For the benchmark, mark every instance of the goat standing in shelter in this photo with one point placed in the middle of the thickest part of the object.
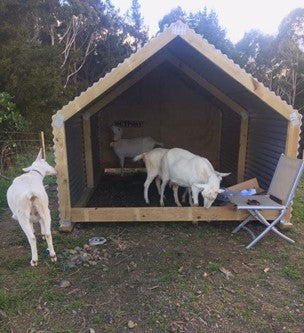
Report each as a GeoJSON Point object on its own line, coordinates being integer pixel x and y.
{"type": "Point", "coordinates": [29, 203]}
{"type": "Point", "coordinates": [183, 168]}
{"type": "Point", "coordinates": [130, 147]}
{"type": "Point", "coordinates": [153, 160]}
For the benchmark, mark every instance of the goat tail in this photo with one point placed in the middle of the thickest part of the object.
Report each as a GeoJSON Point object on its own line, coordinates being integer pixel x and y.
{"type": "Point", "coordinates": [31, 196]}
{"type": "Point", "coordinates": [139, 157]}
{"type": "Point", "coordinates": [158, 144]}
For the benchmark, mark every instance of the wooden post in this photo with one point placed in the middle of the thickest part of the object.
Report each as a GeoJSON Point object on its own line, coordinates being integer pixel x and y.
{"type": "Point", "coordinates": [292, 140]}
{"type": "Point", "coordinates": [42, 144]}
{"type": "Point", "coordinates": [86, 119]}
{"type": "Point", "coordinates": [291, 150]}
{"type": "Point", "coordinates": [60, 152]}
{"type": "Point", "coordinates": [242, 148]}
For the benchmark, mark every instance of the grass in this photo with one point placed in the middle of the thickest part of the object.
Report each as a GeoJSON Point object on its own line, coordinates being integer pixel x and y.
{"type": "Point", "coordinates": [167, 279]}
{"type": "Point", "coordinates": [214, 266]}
{"type": "Point", "coordinates": [292, 272]}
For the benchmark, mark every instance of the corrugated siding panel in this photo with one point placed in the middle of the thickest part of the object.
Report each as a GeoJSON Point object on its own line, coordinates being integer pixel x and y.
{"type": "Point", "coordinates": [230, 144]}
{"type": "Point", "coordinates": [76, 161]}
{"type": "Point", "coordinates": [267, 133]}
{"type": "Point", "coordinates": [95, 130]}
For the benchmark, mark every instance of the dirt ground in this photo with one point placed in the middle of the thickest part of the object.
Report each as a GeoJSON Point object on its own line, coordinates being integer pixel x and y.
{"type": "Point", "coordinates": [169, 277]}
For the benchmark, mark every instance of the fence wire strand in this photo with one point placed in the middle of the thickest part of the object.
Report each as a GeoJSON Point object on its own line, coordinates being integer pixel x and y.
{"type": "Point", "coordinates": [17, 145]}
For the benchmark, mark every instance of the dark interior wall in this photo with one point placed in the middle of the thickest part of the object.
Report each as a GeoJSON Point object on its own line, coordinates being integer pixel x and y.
{"type": "Point", "coordinates": [95, 135]}
{"type": "Point", "coordinates": [76, 158]}
{"type": "Point", "coordinates": [267, 132]}
{"type": "Point", "coordinates": [171, 109]}
{"type": "Point", "coordinates": [230, 143]}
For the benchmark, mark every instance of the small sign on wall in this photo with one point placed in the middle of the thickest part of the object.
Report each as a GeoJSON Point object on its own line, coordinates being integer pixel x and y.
{"type": "Point", "coordinates": [129, 123]}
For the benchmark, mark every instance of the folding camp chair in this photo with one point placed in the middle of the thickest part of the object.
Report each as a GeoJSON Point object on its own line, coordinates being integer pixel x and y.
{"type": "Point", "coordinates": [278, 197]}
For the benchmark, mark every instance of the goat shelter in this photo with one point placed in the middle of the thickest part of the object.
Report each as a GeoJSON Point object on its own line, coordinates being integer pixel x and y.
{"type": "Point", "coordinates": [182, 91]}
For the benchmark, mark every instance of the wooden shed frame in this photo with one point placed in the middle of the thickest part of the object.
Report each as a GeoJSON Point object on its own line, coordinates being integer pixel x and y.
{"type": "Point", "coordinates": [108, 85]}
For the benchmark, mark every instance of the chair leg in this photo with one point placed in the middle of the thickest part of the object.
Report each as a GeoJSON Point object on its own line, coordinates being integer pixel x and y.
{"type": "Point", "coordinates": [261, 235]}
{"type": "Point", "coordinates": [241, 225]}
{"type": "Point", "coordinates": [270, 227]}
{"type": "Point", "coordinates": [262, 219]}
{"type": "Point", "coordinates": [275, 230]}
{"type": "Point", "coordinates": [250, 232]}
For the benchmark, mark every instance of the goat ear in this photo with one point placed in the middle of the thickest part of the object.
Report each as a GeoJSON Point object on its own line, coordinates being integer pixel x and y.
{"type": "Point", "coordinates": [39, 156]}
{"type": "Point", "coordinates": [222, 174]}
{"type": "Point", "coordinates": [28, 169]}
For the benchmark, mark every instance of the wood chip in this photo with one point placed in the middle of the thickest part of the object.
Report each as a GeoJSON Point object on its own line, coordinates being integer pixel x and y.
{"type": "Point", "coordinates": [154, 287]}
{"type": "Point", "coordinates": [227, 273]}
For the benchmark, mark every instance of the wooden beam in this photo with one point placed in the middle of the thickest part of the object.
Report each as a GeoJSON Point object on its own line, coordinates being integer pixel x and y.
{"type": "Point", "coordinates": [42, 144]}
{"type": "Point", "coordinates": [292, 140]}
{"type": "Point", "coordinates": [123, 86]}
{"type": "Point", "coordinates": [60, 152]}
{"type": "Point", "coordinates": [113, 77]}
{"type": "Point", "coordinates": [235, 72]}
{"type": "Point", "coordinates": [162, 214]}
{"type": "Point", "coordinates": [291, 150]}
{"type": "Point", "coordinates": [87, 135]}
{"type": "Point", "coordinates": [227, 101]}
{"type": "Point", "coordinates": [85, 197]}
{"type": "Point", "coordinates": [242, 149]}
{"type": "Point", "coordinates": [207, 85]}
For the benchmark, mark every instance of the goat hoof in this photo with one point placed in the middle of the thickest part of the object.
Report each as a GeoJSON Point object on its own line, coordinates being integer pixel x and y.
{"type": "Point", "coordinates": [34, 263]}
{"type": "Point", "coordinates": [53, 258]}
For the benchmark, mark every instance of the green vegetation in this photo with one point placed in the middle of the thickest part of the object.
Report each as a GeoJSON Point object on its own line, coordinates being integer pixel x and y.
{"type": "Point", "coordinates": [47, 59]}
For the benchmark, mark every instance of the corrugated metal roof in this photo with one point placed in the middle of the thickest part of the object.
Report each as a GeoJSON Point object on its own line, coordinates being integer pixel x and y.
{"type": "Point", "coordinates": [193, 50]}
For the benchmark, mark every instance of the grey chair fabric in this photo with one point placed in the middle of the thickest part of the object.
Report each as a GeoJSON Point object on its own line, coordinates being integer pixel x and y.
{"type": "Point", "coordinates": [278, 197]}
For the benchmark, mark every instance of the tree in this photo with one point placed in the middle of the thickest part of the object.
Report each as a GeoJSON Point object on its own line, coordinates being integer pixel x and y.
{"type": "Point", "coordinates": [206, 24]}
{"type": "Point", "coordinates": [174, 15]}
{"type": "Point", "coordinates": [57, 49]}
{"type": "Point", "coordinates": [136, 26]}
{"type": "Point", "coordinates": [203, 22]}
{"type": "Point", "coordinates": [290, 52]}
{"type": "Point", "coordinates": [256, 54]}
{"type": "Point", "coordinates": [10, 118]}
{"type": "Point", "coordinates": [10, 121]}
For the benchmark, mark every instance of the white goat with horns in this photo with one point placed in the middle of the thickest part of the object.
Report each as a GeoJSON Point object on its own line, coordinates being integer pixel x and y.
{"type": "Point", "coordinates": [29, 203]}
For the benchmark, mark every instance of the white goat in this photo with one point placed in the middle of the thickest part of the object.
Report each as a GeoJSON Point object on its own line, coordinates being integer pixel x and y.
{"type": "Point", "coordinates": [29, 202]}
{"type": "Point", "coordinates": [130, 147]}
{"type": "Point", "coordinates": [152, 160]}
{"type": "Point", "coordinates": [188, 170]}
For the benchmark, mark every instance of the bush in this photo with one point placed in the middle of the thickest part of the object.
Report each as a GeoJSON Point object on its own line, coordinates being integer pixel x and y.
{"type": "Point", "coordinates": [10, 118]}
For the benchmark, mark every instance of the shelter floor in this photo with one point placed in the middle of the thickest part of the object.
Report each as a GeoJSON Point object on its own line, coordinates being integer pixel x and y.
{"type": "Point", "coordinates": [128, 191]}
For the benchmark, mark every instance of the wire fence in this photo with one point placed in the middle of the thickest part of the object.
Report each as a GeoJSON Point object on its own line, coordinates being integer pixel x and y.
{"type": "Point", "coordinates": [16, 146]}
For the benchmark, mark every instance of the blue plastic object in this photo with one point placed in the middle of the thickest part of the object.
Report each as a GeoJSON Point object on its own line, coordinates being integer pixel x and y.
{"type": "Point", "coordinates": [226, 194]}
{"type": "Point", "coordinates": [46, 252]}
